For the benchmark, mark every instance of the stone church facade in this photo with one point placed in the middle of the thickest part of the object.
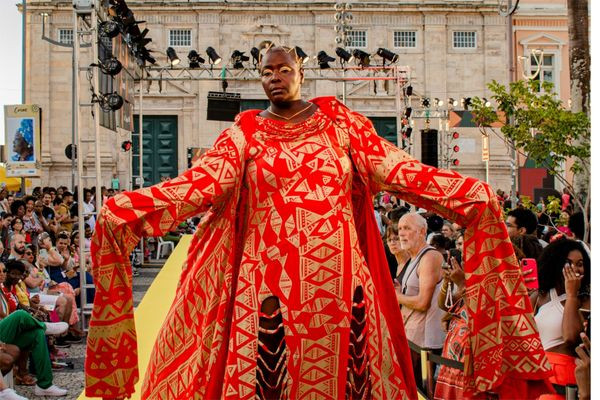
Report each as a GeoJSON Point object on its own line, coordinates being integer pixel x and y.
{"type": "Point", "coordinates": [451, 48]}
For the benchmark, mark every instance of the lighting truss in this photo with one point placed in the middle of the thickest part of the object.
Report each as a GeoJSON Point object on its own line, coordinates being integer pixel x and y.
{"type": "Point", "coordinates": [205, 73]}
{"type": "Point", "coordinates": [428, 113]}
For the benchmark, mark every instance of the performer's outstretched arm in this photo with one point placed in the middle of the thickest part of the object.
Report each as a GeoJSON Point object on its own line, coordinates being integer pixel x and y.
{"type": "Point", "coordinates": [456, 197]}
{"type": "Point", "coordinates": [504, 341]}
{"type": "Point", "coordinates": [152, 211]}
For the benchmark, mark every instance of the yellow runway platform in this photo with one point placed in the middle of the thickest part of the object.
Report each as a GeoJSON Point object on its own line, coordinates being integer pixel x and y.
{"type": "Point", "coordinates": [151, 312]}
{"type": "Point", "coordinates": [153, 309]}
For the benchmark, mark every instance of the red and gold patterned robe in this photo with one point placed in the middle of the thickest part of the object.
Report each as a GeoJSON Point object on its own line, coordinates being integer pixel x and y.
{"type": "Point", "coordinates": [286, 291]}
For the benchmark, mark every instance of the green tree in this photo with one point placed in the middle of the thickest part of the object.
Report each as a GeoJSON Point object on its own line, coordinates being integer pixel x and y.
{"type": "Point", "coordinates": [543, 130]}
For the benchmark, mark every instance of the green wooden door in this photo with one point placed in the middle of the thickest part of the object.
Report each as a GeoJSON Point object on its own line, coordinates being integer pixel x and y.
{"type": "Point", "coordinates": [160, 148]}
{"type": "Point", "coordinates": [386, 128]}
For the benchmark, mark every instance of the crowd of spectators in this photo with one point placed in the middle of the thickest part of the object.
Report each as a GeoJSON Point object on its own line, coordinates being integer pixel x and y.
{"type": "Point", "coordinates": [40, 280]}
{"type": "Point", "coordinates": [41, 275]}
{"type": "Point", "coordinates": [425, 256]}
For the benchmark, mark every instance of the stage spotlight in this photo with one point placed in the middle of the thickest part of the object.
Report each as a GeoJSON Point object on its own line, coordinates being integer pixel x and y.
{"type": "Point", "coordinates": [255, 52]}
{"type": "Point", "coordinates": [486, 102]}
{"type": "Point", "coordinates": [129, 22]}
{"type": "Point", "coordinates": [110, 101]}
{"type": "Point", "coordinates": [172, 56]}
{"type": "Point", "coordinates": [71, 151]}
{"type": "Point", "coordinates": [425, 102]}
{"type": "Point", "coordinates": [111, 66]}
{"type": "Point", "coordinates": [302, 55]}
{"type": "Point", "coordinates": [114, 101]}
{"type": "Point", "coordinates": [452, 102]}
{"type": "Point", "coordinates": [387, 55]}
{"type": "Point", "coordinates": [109, 29]}
{"type": "Point", "coordinates": [141, 39]}
{"type": "Point", "coordinates": [437, 102]}
{"type": "Point", "coordinates": [343, 54]}
{"type": "Point", "coordinates": [323, 59]}
{"type": "Point", "coordinates": [212, 55]}
{"type": "Point", "coordinates": [117, 7]}
{"type": "Point", "coordinates": [142, 55]}
{"type": "Point", "coordinates": [456, 148]}
{"type": "Point", "coordinates": [455, 162]}
{"type": "Point", "coordinates": [466, 102]}
{"type": "Point", "coordinates": [195, 59]}
{"type": "Point", "coordinates": [126, 145]}
{"type": "Point", "coordinates": [409, 90]}
{"type": "Point", "coordinates": [362, 57]}
{"type": "Point", "coordinates": [408, 112]}
{"type": "Point", "coordinates": [238, 58]}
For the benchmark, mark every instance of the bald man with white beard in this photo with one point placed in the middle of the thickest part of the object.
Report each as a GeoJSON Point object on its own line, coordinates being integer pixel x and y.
{"type": "Point", "coordinates": [419, 283]}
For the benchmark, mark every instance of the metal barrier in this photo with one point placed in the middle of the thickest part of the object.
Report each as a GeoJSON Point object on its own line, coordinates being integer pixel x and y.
{"type": "Point", "coordinates": [429, 361]}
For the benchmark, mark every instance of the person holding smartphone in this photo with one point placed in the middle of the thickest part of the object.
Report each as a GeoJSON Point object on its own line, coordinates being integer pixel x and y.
{"type": "Point", "coordinates": [527, 250]}
{"type": "Point", "coordinates": [564, 279]}
{"type": "Point", "coordinates": [450, 381]}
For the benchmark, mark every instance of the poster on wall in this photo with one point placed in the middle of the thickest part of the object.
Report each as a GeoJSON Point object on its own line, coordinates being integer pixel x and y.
{"type": "Point", "coordinates": [22, 140]}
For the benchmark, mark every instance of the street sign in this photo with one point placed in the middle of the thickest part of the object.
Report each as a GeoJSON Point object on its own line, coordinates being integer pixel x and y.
{"type": "Point", "coordinates": [485, 148]}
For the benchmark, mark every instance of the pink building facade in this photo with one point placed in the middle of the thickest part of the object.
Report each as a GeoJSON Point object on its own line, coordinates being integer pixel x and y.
{"type": "Point", "coordinates": [541, 52]}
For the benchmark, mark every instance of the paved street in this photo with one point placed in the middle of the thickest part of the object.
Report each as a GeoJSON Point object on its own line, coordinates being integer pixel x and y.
{"type": "Point", "coordinates": [72, 379]}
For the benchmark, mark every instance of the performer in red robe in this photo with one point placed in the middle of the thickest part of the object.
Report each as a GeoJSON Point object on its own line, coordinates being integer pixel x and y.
{"type": "Point", "coordinates": [286, 292]}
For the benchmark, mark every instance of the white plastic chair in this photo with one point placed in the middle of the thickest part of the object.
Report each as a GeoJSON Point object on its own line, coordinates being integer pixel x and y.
{"type": "Point", "coordinates": [164, 245]}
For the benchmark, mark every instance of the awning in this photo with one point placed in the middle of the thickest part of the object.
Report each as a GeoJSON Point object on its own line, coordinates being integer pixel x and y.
{"type": "Point", "coordinates": [12, 184]}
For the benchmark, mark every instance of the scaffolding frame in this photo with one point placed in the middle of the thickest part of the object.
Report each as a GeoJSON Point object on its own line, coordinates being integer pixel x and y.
{"type": "Point", "coordinates": [85, 25]}
{"type": "Point", "coordinates": [345, 73]}
{"type": "Point", "coordinates": [401, 75]}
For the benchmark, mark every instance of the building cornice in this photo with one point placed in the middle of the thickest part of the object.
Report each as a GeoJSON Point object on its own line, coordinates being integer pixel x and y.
{"type": "Point", "coordinates": [486, 6]}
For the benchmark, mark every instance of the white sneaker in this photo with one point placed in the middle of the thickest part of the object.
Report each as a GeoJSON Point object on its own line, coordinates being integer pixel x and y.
{"type": "Point", "coordinates": [9, 394]}
{"type": "Point", "coordinates": [56, 328]}
{"type": "Point", "coordinates": [51, 391]}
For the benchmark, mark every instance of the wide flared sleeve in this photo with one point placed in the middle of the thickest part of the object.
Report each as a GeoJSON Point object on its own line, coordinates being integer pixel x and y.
{"type": "Point", "coordinates": [503, 335]}
{"type": "Point", "coordinates": [504, 338]}
{"type": "Point", "coordinates": [111, 357]}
